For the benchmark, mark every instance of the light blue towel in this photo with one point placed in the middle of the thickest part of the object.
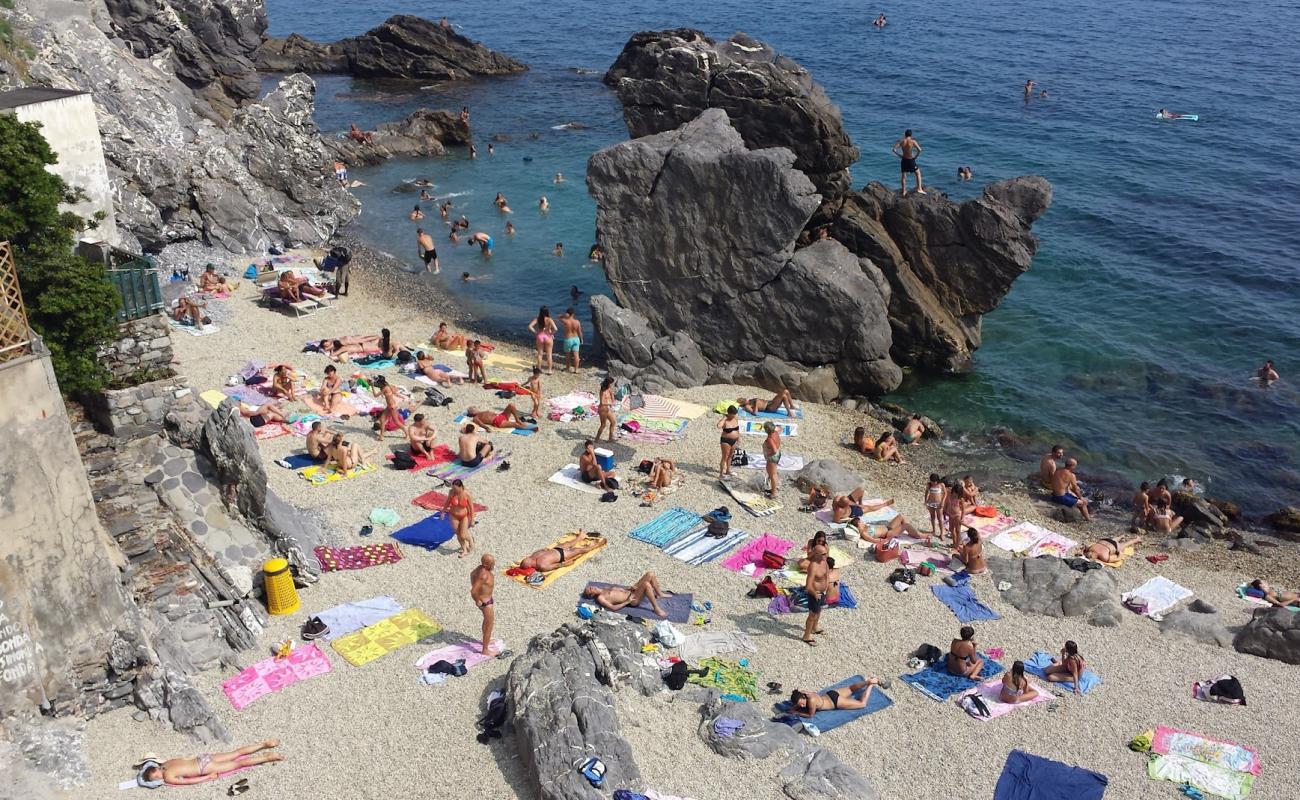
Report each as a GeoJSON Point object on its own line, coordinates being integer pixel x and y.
{"type": "Point", "coordinates": [1042, 660]}
{"type": "Point", "coordinates": [349, 617]}
{"type": "Point", "coordinates": [962, 601]}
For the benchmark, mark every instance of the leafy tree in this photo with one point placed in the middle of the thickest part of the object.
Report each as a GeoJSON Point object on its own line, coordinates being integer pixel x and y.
{"type": "Point", "coordinates": [69, 300]}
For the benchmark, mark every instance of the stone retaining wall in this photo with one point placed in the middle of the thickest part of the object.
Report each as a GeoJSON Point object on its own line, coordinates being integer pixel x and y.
{"type": "Point", "coordinates": [143, 346]}
{"type": "Point", "coordinates": [137, 411]}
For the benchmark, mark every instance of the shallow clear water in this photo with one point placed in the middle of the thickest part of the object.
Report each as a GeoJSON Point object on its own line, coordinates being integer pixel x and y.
{"type": "Point", "coordinates": [1167, 270]}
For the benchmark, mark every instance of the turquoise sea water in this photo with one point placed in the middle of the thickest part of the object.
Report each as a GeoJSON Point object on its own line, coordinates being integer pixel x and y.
{"type": "Point", "coordinates": [1168, 266]}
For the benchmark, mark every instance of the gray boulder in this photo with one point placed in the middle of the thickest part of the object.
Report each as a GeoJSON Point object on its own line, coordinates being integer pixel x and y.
{"type": "Point", "coordinates": [1271, 633]}
{"type": "Point", "coordinates": [668, 78]}
{"type": "Point", "coordinates": [820, 774]}
{"type": "Point", "coordinates": [403, 47]}
{"type": "Point", "coordinates": [1197, 512]}
{"type": "Point", "coordinates": [422, 133]}
{"type": "Point", "coordinates": [827, 472]}
{"type": "Point", "coordinates": [1046, 585]}
{"type": "Point", "coordinates": [1199, 620]}
{"type": "Point", "coordinates": [699, 238]}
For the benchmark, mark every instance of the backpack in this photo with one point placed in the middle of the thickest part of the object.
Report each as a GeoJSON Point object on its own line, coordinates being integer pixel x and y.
{"type": "Point", "coordinates": [493, 720]}
{"type": "Point", "coordinates": [1228, 690]}
{"type": "Point", "coordinates": [454, 668]}
{"type": "Point", "coordinates": [402, 460]}
{"type": "Point", "coordinates": [677, 674]}
{"type": "Point", "coordinates": [433, 397]}
{"type": "Point", "coordinates": [974, 705]}
{"type": "Point", "coordinates": [766, 588]}
{"type": "Point", "coordinates": [739, 458]}
{"type": "Point", "coordinates": [928, 653]}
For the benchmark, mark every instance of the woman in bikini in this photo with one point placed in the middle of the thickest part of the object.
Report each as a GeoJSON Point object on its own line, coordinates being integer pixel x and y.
{"type": "Point", "coordinates": [935, 495]}
{"type": "Point", "coordinates": [862, 442]}
{"type": "Point", "coordinates": [1110, 551]}
{"type": "Point", "coordinates": [662, 473]}
{"type": "Point", "coordinates": [1068, 668]}
{"type": "Point", "coordinates": [424, 364]}
{"type": "Point", "coordinates": [730, 427]}
{"type": "Point", "coordinates": [971, 553]}
{"type": "Point", "coordinates": [887, 448]}
{"type": "Point", "coordinates": [806, 703]}
{"type": "Point", "coordinates": [605, 409]}
{"type": "Point", "coordinates": [387, 347]}
{"type": "Point", "coordinates": [771, 455]}
{"type": "Point", "coordinates": [346, 456]}
{"type": "Point", "coordinates": [756, 406]}
{"type": "Point", "coordinates": [543, 329]}
{"type": "Point", "coordinates": [1277, 597]}
{"type": "Point", "coordinates": [1163, 519]}
{"type": "Point", "coordinates": [282, 383]}
{"type": "Point", "coordinates": [1015, 686]}
{"type": "Point", "coordinates": [845, 506]}
{"type": "Point", "coordinates": [331, 387]}
{"type": "Point", "coordinates": [443, 338]}
{"type": "Point", "coordinates": [963, 655]}
{"type": "Point", "coordinates": [205, 767]}
{"type": "Point", "coordinates": [955, 511]}
{"type": "Point", "coordinates": [382, 388]}
{"type": "Point", "coordinates": [460, 508]}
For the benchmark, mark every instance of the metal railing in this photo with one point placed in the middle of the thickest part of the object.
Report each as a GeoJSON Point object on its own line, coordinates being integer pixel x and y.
{"type": "Point", "coordinates": [15, 334]}
{"type": "Point", "coordinates": [137, 284]}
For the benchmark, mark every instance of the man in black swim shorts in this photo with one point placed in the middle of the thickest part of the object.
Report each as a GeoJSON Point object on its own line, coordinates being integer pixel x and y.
{"type": "Point", "coordinates": [908, 150]}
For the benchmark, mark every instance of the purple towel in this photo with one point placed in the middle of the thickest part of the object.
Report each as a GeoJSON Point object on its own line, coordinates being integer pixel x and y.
{"type": "Point", "coordinates": [678, 606]}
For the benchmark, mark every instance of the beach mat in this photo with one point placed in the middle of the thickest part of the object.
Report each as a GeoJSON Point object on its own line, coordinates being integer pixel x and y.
{"type": "Point", "coordinates": [961, 600]}
{"type": "Point", "coordinates": [569, 475]}
{"type": "Point", "coordinates": [936, 683]}
{"type": "Point", "coordinates": [320, 475]}
{"type": "Point", "coordinates": [408, 627]}
{"type": "Point", "coordinates": [728, 677]}
{"type": "Point", "coordinates": [754, 427]}
{"type": "Point", "coordinates": [341, 406]}
{"type": "Point", "coordinates": [469, 652]}
{"type": "Point", "coordinates": [677, 606]}
{"type": "Point", "coordinates": [667, 527]}
{"type": "Point", "coordinates": [757, 504]}
{"type": "Point", "coordinates": [453, 470]}
{"type": "Point", "coordinates": [697, 547]}
{"type": "Point", "coordinates": [795, 601]}
{"type": "Point", "coordinates": [345, 618]}
{"type": "Point", "coordinates": [442, 454]}
{"type": "Point", "coordinates": [213, 397]}
{"type": "Point", "coordinates": [1041, 660]}
{"type": "Point", "coordinates": [1215, 767]}
{"type": "Point", "coordinates": [1032, 540]}
{"type": "Point", "coordinates": [273, 674]}
{"type": "Point", "coordinates": [549, 577]}
{"type": "Point", "coordinates": [752, 554]}
{"type": "Point", "coordinates": [990, 691]}
{"type": "Point", "coordinates": [1030, 777]}
{"type": "Point", "coordinates": [297, 461]}
{"type": "Point", "coordinates": [825, 721]}
{"type": "Point", "coordinates": [435, 500]}
{"type": "Point", "coordinates": [710, 643]}
{"type": "Point", "coordinates": [1160, 594]}
{"type": "Point", "coordinates": [429, 533]}
{"type": "Point", "coordinates": [356, 557]}
{"type": "Point", "coordinates": [271, 430]}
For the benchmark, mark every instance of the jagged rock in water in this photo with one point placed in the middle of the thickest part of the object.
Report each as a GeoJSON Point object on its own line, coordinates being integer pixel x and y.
{"type": "Point", "coordinates": [421, 133]}
{"type": "Point", "coordinates": [1271, 633]}
{"type": "Point", "coordinates": [699, 235]}
{"type": "Point", "coordinates": [404, 46]}
{"type": "Point", "coordinates": [668, 78]}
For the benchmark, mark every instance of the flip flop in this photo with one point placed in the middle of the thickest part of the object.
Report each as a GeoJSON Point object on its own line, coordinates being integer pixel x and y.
{"type": "Point", "coordinates": [809, 642]}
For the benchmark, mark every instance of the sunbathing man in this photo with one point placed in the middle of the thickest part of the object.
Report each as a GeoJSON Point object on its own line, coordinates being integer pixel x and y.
{"type": "Point", "coordinates": [318, 439]}
{"type": "Point", "coordinates": [862, 442]}
{"type": "Point", "coordinates": [590, 471]}
{"type": "Point", "coordinates": [963, 656]}
{"type": "Point", "coordinates": [806, 702]}
{"type": "Point", "coordinates": [1066, 491]}
{"type": "Point", "coordinates": [472, 449]}
{"type": "Point", "coordinates": [507, 418]}
{"type": "Point", "coordinates": [1069, 667]}
{"type": "Point", "coordinates": [282, 383]}
{"type": "Point", "coordinates": [210, 281]}
{"type": "Point", "coordinates": [345, 455]}
{"type": "Point", "coordinates": [756, 406]}
{"type": "Point", "coordinates": [549, 559]}
{"type": "Point", "coordinates": [330, 389]}
{"type": "Point", "coordinates": [1276, 597]}
{"type": "Point", "coordinates": [421, 434]}
{"type": "Point", "coordinates": [849, 505]}
{"type": "Point", "coordinates": [1109, 551]}
{"type": "Point", "coordinates": [1015, 686]}
{"type": "Point", "coordinates": [424, 365]}
{"type": "Point", "coordinates": [482, 580]}
{"type": "Point", "coordinates": [263, 414]}
{"type": "Point", "coordinates": [193, 309]}
{"type": "Point", "coordinates": [207, 766]}
{"type": "Point", "coordinates": [616, 598]}
{"type": "Point", "coordinates": [819, 585]}
{"type": "Point", "coordinates": [1047, 467]}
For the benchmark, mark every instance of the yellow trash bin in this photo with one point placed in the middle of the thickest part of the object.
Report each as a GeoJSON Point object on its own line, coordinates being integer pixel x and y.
{"type": "Point", "coordinates": [281, 596]}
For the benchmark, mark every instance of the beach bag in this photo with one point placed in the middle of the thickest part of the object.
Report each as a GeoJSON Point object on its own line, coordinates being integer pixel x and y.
{"type": "Point", "coordinates": [1227, 690]}
{"type": "Point", "coordinates": [889, 553]}
{"type": "Point", "coordinates": [402, 460]}
{"type": "Point", "coordinates": [718, 528]}
{"type": "Point", "coordinates": [433, 397]}
{"type": "Point", "coordinates": [493, 719]}
{"type": "Point", "coordinates": [251, 272]}
{"type": "Point", "coordinates": [766, 588]}
{"type": "Point", "coordinates": [974, 705]}
{"type": "Point", "coordinates": [739, 458]}
{"type": "Point", "coordinates": [454, 668]}
{"type": "Point", "coordinates": [928, 653]}
{"type": "Point", "coordinates": [925, 570]}
{"type": "Point", "coordinates": [901, 575]}
{"type": "Point", "coordinates": [985, 511]}
{"type": "Point", "coordinates": [667, 635]}
{"type": "Point", "coordinates": [1136, 604]}
{"type": "Point", "coordinates": [677, 674]}
{"type": "Point", "coordinates": [772, 560]}
{"type": "Point", "coordinates": [631, 426]}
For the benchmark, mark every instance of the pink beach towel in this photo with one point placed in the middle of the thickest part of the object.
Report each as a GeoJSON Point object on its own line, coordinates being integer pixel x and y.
{"type": "Point", "coordinates": [1220, 753]}
{"type": "Point", "coordinates": [990, 690]}
{"type": "Point", "coordinates": [469, 651]}
{"type": "Point", "coordinates": [272, 675]}
{"type": "Point", "coordinates": [752, 553]}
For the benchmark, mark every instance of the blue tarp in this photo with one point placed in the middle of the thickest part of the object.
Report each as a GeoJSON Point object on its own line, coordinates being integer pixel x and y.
{"type": "Point", "coordinates": [1029, 777]}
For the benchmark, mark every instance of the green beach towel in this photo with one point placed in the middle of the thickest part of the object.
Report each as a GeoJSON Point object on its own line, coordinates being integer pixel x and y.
{"type": "Point", "coordinates": [728, 677]}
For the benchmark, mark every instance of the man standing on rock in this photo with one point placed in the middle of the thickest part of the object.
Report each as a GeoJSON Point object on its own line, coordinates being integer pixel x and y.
{"type": "Point", "coordinates": [1066, 491]}
{"type": "Point", "coordinates": [908, 149]}
{"type": "Point", "coordinates": [481, 583]}
{"type": "Point", "coordinates": [572, 340]}
{"type": "Point", "coordinates": [428, 252]}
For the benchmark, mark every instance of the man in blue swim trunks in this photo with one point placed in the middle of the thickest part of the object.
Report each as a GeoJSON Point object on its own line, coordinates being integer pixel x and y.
{"type": "Point", "coordinates": [483, 241]}
{"type": "Point", "coordinates": [572, 340]}
{"type": "Point", "coordinates": [1065, 489]}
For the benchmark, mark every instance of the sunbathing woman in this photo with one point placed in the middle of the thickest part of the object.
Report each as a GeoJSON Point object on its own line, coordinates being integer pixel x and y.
{"type": "Point", "coordinates": [424, 365]}
{"type": "Point", "coordinates": [849, 505]}
{"type": "Point", "coordinates": [730, 427]}
{"type": "Point", "coordinates": [1276, 597]}
{"type": "Point", "coordinates": [818, 496]}
{"type": "Point", "coordinates": [887, 448]}
{"type": "Point", "coordinates": [282, 383]}
{"type": "Point", "coordinates": [507, 418]}
{"type": "Point", "coordinates": [963, 656]}
{"type": "Point", "coordinates": [755, 405]}
{"type": "Point", "coordinates": [806, 703]}
{"type": "Point", "coordinates": [590, 470]}
{"type": "Point", "coordinates": [263, 414]}
{"type": "Point", "coordinates": [331, 387]}
{"type": "Point", "coordinates": [344, 350]}
{"type": "Point", "coordinates": [616, 598]}
{"type": "Point", "coordinates": [346, 456]}
{"type": "Point", "coordinates": [898, 526]}
{"type": "Point", "coordinates": [460, 508]}
{"type": "Point", "coordinates": [549, 559]}
{"type": "Point", "coordinates": [1109, 551]}
{"type": "Point", "coordinates": [1068, 668]}
{"type": "Point", "coordinates": [1015, 686]}
{"type": "Point", "coordinates": [387, 347]}
{"type": "Point", "coordinates": [862, 442]}
{"type": "Point", "coordinates": [382, 388]}
{"type": "Point", "coordinates": [543, 330]}
{"type": "Point", "coordinates": [205, 767]}
{"type": "Point", "coordinates": [971, 553]}
{"type": "Point", "coordinates": [662, 473]}
{"type": "Point", "coordinates": [444, 338]}
{"type": "Point", "coordinates": [189, 308]}
{"type": "Point", "coordinates": [1163, 519]}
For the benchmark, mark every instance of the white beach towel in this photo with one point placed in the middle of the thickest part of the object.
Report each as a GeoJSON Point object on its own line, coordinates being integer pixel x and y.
{"type": "Point", "coordinates": [712, 643]}
{"type": "Point", "coordinates": [571, 477]}
{"type": "Point", "coordinates": [1160, 594]}
{"type": "Point", "coordinates": [790, 462]}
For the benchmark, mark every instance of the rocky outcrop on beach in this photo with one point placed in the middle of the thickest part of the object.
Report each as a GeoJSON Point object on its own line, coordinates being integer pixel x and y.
{"type": "Point", "coordinates": [1271, 633]}
{"type": "Point", "coordinates": [1046, 585]}
{"type": "Point", "coordinates": [422, 133]}
{"type": "Point", "coordinates": [699, 237]}
{"type": "Point", "coordinates": [1199, 620]}
{"type": "Point", "coordinates": [403, 47]}
{"type": "Point", "coordinates": [665, 79]}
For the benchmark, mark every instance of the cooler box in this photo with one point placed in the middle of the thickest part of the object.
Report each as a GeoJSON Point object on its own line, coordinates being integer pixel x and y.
{"type": "Point", "coordinates": [605, 458]}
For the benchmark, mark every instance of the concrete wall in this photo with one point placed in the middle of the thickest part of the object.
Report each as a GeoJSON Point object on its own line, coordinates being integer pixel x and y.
{"type": "Point", "coordinates": [70, 126]}
{"type": "Point", "coordinates": [58, 569]}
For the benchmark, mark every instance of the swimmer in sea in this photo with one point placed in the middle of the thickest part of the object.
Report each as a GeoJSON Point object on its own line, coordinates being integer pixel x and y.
{"type": "Point", "coordinates": [510, 228]}
{"type": "Point", "coordinates": [908, 150]}
{"type": "Point", "coordinates": [424, 195]}
{"type": "Point", "coordinates": [880, 21]}
{"type": "Point", "coordinates": [466, 277]}
{"type": "Point", "coordinates": [558, 252]}
{"type": "Point", "coordinates": [1029, 88]}
{"type": "Point", "coordinates": [491, 150]}
{"type": "Point", "coordinates": [483, 241]}
{"type": "Point", "coordinates": [544, 205]}
{"type": "Point", "coordinates": [1267, 374]}
{"type": "Point", "coordinates": [574, 292]}
{"type": "Point", "coordinates": [444, 210]}
{"type": "Point", "coordinates": [416, 214]}
{"type": "Point", "coordinates": [559, 177]}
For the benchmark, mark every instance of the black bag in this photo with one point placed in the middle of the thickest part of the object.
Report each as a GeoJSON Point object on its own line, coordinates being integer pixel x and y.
{"type": "Point", "coordinates": [493, 720]}
{"type": "Point", "coordinates": [645, 466]}
{"type": "Point", "coordinates": [739, 458]}
{"type": "Point", "coordinates": [676, 677]}
{"type": "Point", "coordinates": [901, 574]}
{"type": "Point", "coordinates": [433, 397]}
{"type": "Point", "coordinates": [975, 706]}
{"type": "Point", "coordinates": [403, 460]}
{"type": "Point", "coordinates": [404, 357]}
{"type": "Point", "coordinates": [928, 653]}
{"type": "Point", "coordinates": [453, 668]}
{"type": "Point", "coordinates": [718, 529]}
{"type": "Point", "coordinates": [608, 497]}
{"type": "Point", "coordinates": [1228, 690]}
{"type": "Point", "coordinates": [611, 483]}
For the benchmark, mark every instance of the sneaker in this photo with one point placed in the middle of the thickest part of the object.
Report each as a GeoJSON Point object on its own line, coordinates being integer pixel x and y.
{"type": "Point", "coordinates": [314, 628]}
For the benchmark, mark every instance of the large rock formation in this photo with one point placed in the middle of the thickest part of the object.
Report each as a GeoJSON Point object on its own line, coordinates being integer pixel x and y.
{"type": "Point", "coordinates": [404, 47]}
{"type": "Point", "coordinates": [668, 78]}
{"type": "Point", "coordinates": [699, 237]}
{"type": "Point", "coordinates": [422, 133]}
{"type": "Point", "coordinates": [1046, 585]}
{"type": "Point", "coordinates": [1271, 633]}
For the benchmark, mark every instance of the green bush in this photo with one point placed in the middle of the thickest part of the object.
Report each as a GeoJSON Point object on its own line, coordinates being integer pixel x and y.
{"type": "Point", "coordinates": [70, 302]}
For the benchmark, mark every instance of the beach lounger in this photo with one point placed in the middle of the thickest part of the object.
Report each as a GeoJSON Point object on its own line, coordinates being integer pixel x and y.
{"type": "Point", "coordinates": [550, 577]}
{"type": "Point", "coordinates": [676, 606]}
{"type": "Point", "coordinates": [755, 503]}
{"type": "Point", "coordinates": [372, 642]}
{"type": "Point", "coordinates": [1030, 777]}
{"type": "Point", "coordinates": [828, 720]}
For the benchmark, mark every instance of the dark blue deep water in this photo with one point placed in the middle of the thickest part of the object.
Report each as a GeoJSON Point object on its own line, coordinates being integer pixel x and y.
{"type": "Point", "coordinates": [1168, 263]}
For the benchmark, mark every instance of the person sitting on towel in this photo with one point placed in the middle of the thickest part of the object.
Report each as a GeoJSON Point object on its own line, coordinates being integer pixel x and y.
{"type": "Point", "coordinates": [207, 766]}
{"type": "Point", "coordinates": [472, 448]}
{"type": "Point", "coordinates": [1069, 667]}
{"type": "Point", "coordinates": [851, 505]}
{"type": "Point", "coordinates": [887, 448]}
{"type": "Point", "coordinates": [591, 472]}
{"type": "Point", "coordinates": [662, 473]}
{"type": "Point", "coordinates": [1015, 686]}
{"type": "Point", "coordinates": [345, 455]}
{"type": "Point", "coordinates": [755, 405]}
{"type": "Point", "coordinates": [507, 418]}
{"type": "Point", "coordinates": [971, 553]}
{"type": "Point", "coordinates": [282, 383]}
{"type": "Point", "coordinates": [549, 559]}
{"type": "Point", "coordinates": [1276, 597]}
{"type": "Point", "coordinates": [318, 439]}
{"type": "Point", "coordinates": [818, 540]}
{"type": "Point", "coordinates": [616, 598]}
{"type": "Point", "coordinates": [1110, 551]}
{"type": "Point", "coordinates": [420, 433]}
{"type": "Point", "coordinates": [818, 496]}
{"type": "Point", "coordinates": [806, 702]}
{"type": "Point", "coordinates": [963, 656]}
{"type": "Point", "coordinates": [210, 281]}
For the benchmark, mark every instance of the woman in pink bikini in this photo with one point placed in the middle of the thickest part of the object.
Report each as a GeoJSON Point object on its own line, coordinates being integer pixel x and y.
{"type": "Point", "coordinates": [205, 767]}
{"type": "Point", "coordinates": [544, 329]}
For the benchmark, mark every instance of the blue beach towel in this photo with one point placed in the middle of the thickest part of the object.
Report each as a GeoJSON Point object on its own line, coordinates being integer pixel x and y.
{"type": "Point", "coordinates": [937, 683]}
{"type": "Point", "coordinates": [1029, 777]}
{"type": "Point", "coordinates": [428, 533]}
{"type": "Point", "coordinates": [825, 721]}
{"type": "Point", "coordinates": [796, 602]}
{"type": "Point", "coordinates": [375, 362]}
{"type": "Point", "coordinates": [678, 606]}
{"type": "Point", "coordinates": [696, 547]}
{"type": "Point", "coordinates": [779, 414]}
{"type": "Point", "coordinates": [297, 461]}
{"type": "Point", "coordinates": [962, 601]}
{"type": "Point", "coordinates": [1042, 660]}
{"type": "Point", "coordinates": [667, 527]}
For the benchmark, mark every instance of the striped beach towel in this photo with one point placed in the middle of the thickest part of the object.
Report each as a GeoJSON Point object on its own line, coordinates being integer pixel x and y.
{"type": "Point", "coordinates": [452, 470]}
{"type": "Point", "coordinates": [697, 547]}
{"type": "Point", "coordinates": [667, 527]}
{"type": "Point", "coordinates": [757, 504]}
{"type": "Point", "coordinates": [653, 430]}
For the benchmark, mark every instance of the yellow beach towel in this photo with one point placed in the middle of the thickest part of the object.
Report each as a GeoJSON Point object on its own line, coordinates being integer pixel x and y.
{"type": "Point", "coordinates": [797, 578]}
{"type": "Point", "coordinates": [321, 475]}
{"type": "Point", "coordinates": [551, 576]}
{"type": "Point", "coordinates": [212, 397]}
{"type": "Point", "coordinates": [385, 636]}
{"type": "Point", "coordinates": [1128, 551]}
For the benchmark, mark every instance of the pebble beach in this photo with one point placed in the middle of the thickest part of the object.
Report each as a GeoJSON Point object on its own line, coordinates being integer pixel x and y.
{"type": "Point", "coordinates": [378, 731]}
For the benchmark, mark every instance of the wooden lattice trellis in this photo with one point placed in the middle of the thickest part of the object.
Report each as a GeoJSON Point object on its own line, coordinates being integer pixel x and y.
{"type": "Point", "coordinates": [15, 336]}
